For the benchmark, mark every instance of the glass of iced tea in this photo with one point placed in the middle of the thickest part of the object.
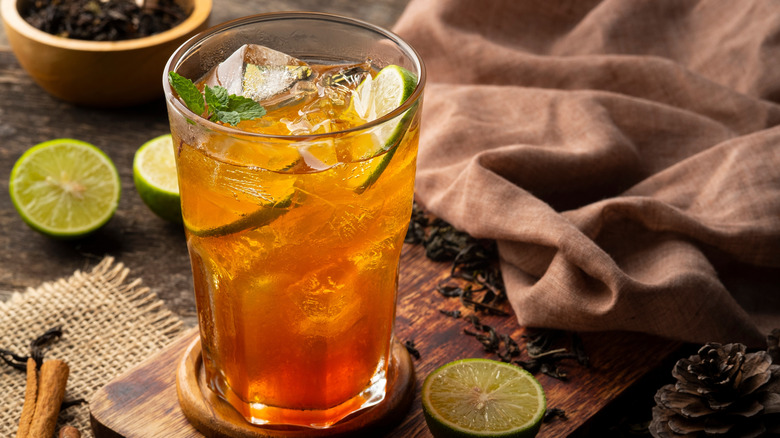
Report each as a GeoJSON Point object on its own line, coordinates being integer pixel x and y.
{"type": "Point", "coordinates": [295, 218]}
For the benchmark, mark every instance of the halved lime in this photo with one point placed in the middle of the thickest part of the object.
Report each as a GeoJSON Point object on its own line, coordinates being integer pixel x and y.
{"type": "Point", "coordinates": [482, 398]}
{"type": "Point", "coordinates": [65, 188]}
{"type": "Point", "coordinates": [154, 174]}
{"type": "Point", "coordinates": [376, 97]}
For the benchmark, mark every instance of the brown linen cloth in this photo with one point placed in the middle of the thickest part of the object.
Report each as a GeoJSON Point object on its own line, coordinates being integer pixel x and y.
{"type": "Point", "coordinates": [622, 153]}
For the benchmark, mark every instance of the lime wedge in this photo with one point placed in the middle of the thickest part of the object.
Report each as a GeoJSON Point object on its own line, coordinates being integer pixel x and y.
{"type": "Point", "coordinates": [376, 97]}
{"type": "Point", "coordinates": [65, 188]}
{"type": "Point", "coordinates": [482, 398]}
{"type": "Point", "coordinates": [221, 198]}
{"type": "Point", "coordinates": [264, 215]}
{"type": "Point", "coordinates": [154, 174]}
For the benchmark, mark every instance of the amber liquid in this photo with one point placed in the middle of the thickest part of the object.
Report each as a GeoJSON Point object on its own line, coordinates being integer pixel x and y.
{"type": "Point", "coordinates": [295, 251]}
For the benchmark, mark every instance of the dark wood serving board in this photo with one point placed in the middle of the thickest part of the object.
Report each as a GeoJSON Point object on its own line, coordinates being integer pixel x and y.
{"type": "Point", "coordinates": [143, 402]}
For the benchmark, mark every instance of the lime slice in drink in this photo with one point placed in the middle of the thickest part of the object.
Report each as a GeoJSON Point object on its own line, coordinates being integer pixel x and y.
{"type": "Point", "coordinates": [65, 188]}
{"type": "Point", "coordinates": [377, 96]}
{"type": "Point", "coordinates": [223, 197]}
{"type": "Point", "coordinates": [263, 215]}
{"type": "Point", "coordinates": [154, 174]}
{"type": "Point", "coordinates": [482, 398]}
{"type": "Point", "coordinates": [374, 98]}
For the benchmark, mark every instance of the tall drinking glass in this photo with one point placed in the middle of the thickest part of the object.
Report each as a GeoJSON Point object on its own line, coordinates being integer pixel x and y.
{"type": "Point", "coordinates": [295, 221]}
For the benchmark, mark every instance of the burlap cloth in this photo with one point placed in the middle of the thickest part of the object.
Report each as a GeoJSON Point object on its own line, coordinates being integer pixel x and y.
{"type": "Point", "coordinates": [110, 324]}
{"type": "Point", "coordinates": [621, 152]}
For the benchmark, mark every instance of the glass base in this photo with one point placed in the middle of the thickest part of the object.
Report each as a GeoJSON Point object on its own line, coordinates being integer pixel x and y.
{"type": "Point", "coordinates": [262, 414]}
{"type": "Point", "coordinates": [211, 415]}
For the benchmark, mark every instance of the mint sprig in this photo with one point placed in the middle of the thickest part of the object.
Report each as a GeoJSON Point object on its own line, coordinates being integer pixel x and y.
{"type": "Point", "coordinates": [218, 105]}
{"type": "Point", "coordinates": [188, 92]}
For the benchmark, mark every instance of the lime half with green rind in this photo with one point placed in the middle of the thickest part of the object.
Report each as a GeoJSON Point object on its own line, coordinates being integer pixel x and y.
{"type": "Point", "coordinates": [482, 398]}
{"type": "Point", "coordinates": [65, 188]}
{"type": "Point", "coordinates": [154, 175]}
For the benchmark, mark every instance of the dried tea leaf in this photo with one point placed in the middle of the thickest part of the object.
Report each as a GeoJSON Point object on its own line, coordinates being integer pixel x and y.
{"type": "Point", "coordinates": [412, 349]}
{"type": "Point", "coordinates": [475, 279]}
{"type": "Point", "coordinates": [96, 20]}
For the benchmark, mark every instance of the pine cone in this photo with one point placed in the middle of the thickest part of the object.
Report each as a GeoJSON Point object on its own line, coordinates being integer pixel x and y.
{"type": "Point", "coordinates": [773, 345]}
{"type": "Point", "coordinates": [720, 392]}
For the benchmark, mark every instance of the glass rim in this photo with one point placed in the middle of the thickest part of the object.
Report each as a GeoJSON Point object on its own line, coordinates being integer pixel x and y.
{"type": "Point", "coordinates": [180, 53]}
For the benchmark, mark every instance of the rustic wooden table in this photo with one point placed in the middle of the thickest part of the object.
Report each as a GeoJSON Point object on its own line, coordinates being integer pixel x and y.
{"type": "Point", "coordinates": [155, 250]}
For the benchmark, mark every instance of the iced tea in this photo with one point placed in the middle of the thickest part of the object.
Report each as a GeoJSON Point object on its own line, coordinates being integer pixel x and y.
{"type": "Point", "coordinates": [294, 226]}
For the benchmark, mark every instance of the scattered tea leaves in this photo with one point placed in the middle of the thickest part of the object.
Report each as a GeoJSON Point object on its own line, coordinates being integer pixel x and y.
{"type": "Point", "coordinates": [98, 20]}
{"type": "Point", "coordinates": [579, 350]}
{"type": "Point", "coordinates": [38, 345]}
{"type": "Point", "coordinates": [545, 352]}
{"type": "Point", "coordinates": [415, 234]}
{"type": "Point", "coordinates": [70, 403]}
{"type": "Point", "coordinates": [14, 360]}
{"type": "Point", "coordinates": [412, 349]}
{"type": "Point", "coordinates": [451, 313]}
{"type": "Point", "coordinates": [553, 413]}
{"type": "Point", "coordinates": [37, 348]}
{"type": "Point", "coordinates": [475, 279]}
{"type": "Point", "coordinates": [501, 344]}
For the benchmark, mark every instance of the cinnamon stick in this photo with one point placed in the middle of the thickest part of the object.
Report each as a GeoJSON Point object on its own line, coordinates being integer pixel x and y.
{"type": "Point", "coordinates": [30, 395]}
{"type": "Point", "coordinates": [51, 392]}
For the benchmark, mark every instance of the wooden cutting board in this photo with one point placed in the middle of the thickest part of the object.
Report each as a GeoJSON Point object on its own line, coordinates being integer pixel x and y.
{"type": "Point", "coordinates": [143, 402]}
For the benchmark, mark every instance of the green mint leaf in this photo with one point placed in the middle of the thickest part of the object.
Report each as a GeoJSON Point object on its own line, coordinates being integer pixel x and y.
{"type": "Point", "coordinates": [247, 108]}
{"type": "Point", "coordinates": [188, 92]}
{"type": "Point", "coordinates": [222, 107]}
{"type": "Point", "coordinates": [216, 98]}
{"type": "Point", "coordinates": [230, 117]}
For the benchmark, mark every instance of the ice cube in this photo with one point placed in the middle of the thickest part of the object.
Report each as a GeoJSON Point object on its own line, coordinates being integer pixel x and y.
{"type": "Point", "coordinates": [328, 300]}
{"type": "Point", "coordinates": [339, 83]}
{"type": "Point", "coordinates": [265, 75]}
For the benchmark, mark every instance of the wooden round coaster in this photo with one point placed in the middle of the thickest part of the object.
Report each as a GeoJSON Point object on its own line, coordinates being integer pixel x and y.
{"type": "Point", "coordinates": [213, 417]}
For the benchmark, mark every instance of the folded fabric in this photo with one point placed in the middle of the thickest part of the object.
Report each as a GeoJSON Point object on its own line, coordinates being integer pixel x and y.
{"type": "Point", "coordinates": [623, 154]}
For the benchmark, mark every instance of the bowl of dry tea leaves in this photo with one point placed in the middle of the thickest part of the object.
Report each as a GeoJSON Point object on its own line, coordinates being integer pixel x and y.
{"type": "Point", "coordinates": [101, 53]}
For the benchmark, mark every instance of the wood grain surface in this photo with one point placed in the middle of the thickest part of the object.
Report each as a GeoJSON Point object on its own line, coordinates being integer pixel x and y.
{"type": "Point", "coordinates": [143, 402]}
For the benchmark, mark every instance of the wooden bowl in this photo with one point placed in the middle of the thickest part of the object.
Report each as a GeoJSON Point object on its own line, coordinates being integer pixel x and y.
{"type": "Point", "coordinates": [99, 73]}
